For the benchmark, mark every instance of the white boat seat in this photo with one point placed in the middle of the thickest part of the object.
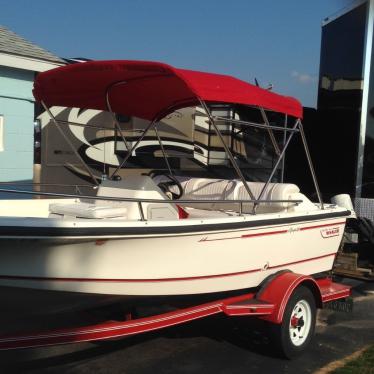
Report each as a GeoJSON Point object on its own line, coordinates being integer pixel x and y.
{"type": "Point", "coordinates": [224, 189]}
{"type": "Point", "coordinates": [86, 210]}
{"type": "Point", "coordinates": [274, 191]}
{"type": "Point", "coordinates": [209, 189]}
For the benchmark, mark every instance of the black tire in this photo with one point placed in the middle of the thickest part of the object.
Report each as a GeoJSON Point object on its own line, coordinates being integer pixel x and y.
{"type": "Point", "coordinates": [280, 334]}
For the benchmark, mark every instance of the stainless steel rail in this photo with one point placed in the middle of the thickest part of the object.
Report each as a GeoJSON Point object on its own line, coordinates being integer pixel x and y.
{"type": "Point", "coordinates": [254, 124]}
{"type": "Point", "coordinates": [95, 127]}
{"type": "Point", "coordinates": [297, 123]}
{"type": "Point", "coordinates": [311, 167]}
{"type": "Point", "coordinates": [227, 150]}
{"type": "Point", "coordinates": [46, 184]}
{"type": "Point", "coordinates": [163, 150]}
{"type": "Point", "coordinates": [132, 149]}
{"type": "Point", "coordinates": [270, 131]}
{"type": "Point", "coordinates": [69, 143]}
{"type": "Point", "coordinates": [114, 118]}
{"type": "Point", "coordinates": [84, 125]}
{"type": "Point", "coordinates": [284, 143]}
{"type": "Point", "coordinates": [139, 200]}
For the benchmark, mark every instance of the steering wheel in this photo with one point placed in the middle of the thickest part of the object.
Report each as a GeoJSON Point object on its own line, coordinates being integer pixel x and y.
{"type": "Point", "coordinates": [165, 186]}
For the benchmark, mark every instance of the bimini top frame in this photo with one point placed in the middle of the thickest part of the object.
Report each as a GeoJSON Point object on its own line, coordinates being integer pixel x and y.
{"type": "Point", "coordinates": [151, 90]}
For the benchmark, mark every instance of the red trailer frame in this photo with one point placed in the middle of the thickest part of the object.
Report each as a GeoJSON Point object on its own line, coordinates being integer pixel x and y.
{"type": "Point", "coordinates": [269, 303]}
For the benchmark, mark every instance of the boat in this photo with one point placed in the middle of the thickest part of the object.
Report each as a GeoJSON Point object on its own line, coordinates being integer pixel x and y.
{"type": "Point", "coordinates": [165, 235]}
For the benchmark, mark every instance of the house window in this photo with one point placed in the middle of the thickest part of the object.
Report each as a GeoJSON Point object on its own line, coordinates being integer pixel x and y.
{"type": "Point", "coordinates": [1, 133]}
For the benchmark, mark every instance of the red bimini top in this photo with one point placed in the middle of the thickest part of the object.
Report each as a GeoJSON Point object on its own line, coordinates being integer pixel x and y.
{"type": "Point", "coordinates": [149, 90]}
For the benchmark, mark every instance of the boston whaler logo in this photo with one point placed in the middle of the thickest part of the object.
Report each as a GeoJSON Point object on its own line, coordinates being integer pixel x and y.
{"type": "Point", "coordinates": [293, 229]}
{"type": "Point", "coordinates": [330, 232]}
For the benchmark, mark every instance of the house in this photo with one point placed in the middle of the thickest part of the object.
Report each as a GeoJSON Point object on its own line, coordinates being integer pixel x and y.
{"type": "Point", "coordinates": [20, 61]}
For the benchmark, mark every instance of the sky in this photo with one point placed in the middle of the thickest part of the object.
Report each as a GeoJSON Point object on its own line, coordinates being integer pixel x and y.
{"type": "Point", "coordinates": [274, 41]}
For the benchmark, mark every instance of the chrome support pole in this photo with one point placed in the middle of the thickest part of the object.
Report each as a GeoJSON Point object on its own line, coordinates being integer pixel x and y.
{"type": "Point", "coordinates": [271, 134]}
{"type": "Point", "coordinates": [129, 152]}
{"type": "Point", "coordinates": [231, 157]}
{"type": "Point", "coordinates": [253, 124]}
{"type": "Point", "coordinates": [284, 142]}
{"type": "Point", "coordinates": [142, 217]}
{"type": "Point", "coordinates": [316, 186]}
{"type": "Point", "coordinates": [70, 144]}
{"type": "Point", "coordinates": [116, 124]}
{"type": "Point", "coordinates": [163, 150]}
{"type": "Point", "coordinates": [118, 127]}
{"type": "Point", "coordinates": [275, 167]}
{"type": "Point", "coordinates": [135, 200]}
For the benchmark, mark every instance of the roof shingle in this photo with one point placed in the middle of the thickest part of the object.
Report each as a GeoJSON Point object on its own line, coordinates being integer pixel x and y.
{"type": "Point", "coordinates": [13, 44]}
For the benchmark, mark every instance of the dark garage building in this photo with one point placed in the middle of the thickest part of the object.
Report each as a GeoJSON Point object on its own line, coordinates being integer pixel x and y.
{"type": "Point", "coordinates": [343, 137]}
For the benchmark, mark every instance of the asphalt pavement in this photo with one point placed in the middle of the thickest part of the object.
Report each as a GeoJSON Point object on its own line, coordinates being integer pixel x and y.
{"type": "Point", "coordinates": [213, 345]}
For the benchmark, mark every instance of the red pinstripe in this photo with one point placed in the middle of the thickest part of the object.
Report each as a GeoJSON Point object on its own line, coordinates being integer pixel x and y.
{"type": "Point", "coordinates": [245, 236]}
{"type": "Point", "coordinates": [16, 277]}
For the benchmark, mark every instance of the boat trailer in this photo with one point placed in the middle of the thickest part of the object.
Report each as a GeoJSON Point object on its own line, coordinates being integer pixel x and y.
{"type": "Point", "coordinates": [271, 303]}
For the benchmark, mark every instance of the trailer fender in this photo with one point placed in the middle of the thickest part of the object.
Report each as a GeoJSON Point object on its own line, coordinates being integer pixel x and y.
{"type": "Point", "coordinates": [278, 290]}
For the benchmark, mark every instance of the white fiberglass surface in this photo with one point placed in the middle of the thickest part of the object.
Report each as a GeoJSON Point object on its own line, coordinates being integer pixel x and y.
{"type": "Point", "coordinates": [29, 207]}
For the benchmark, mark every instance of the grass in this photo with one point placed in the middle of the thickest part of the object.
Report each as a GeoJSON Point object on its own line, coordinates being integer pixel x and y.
{"type": "Point", "coordinates": [363, 364]}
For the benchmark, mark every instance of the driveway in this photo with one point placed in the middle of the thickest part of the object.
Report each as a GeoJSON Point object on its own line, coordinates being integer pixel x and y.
{"type": "Point", "coordinates": [213, 345]}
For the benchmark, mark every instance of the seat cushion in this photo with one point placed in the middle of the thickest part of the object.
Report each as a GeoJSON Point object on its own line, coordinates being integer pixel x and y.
{"type": "Point", "coordinates": [86, 210]}
{"type": "Point", "coordinates": [274, 191]}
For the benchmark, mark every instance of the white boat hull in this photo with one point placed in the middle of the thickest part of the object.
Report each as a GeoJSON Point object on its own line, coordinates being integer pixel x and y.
{"type": "Point", "coordinates": [171, 264]}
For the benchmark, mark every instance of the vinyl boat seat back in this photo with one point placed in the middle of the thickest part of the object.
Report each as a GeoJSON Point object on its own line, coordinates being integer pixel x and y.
{"type": "Point", "coordinates": [230, 190]}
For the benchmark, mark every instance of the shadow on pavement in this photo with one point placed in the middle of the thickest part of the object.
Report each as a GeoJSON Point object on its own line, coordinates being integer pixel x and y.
{"type": "Point", "coordinates": [249, 335]}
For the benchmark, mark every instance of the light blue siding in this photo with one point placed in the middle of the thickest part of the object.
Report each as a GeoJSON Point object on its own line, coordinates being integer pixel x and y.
{"type": "Point", "coordinates": [16, 82]}
{"type": "Point", "coordinates": [17, 108]}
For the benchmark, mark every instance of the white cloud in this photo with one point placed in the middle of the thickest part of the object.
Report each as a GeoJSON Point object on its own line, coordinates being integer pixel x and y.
{"type": "Point", "coordinates": [303, 78]}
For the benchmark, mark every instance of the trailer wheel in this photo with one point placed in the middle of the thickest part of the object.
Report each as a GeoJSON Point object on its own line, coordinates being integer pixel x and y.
{"type": "Point", "coordinates": [294, 334]}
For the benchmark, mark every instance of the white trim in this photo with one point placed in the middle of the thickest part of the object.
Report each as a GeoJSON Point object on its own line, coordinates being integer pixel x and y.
{"type": "Point", "coordinates": [27, 63]}
{"type": "Point", "coordinates": [365, 95]}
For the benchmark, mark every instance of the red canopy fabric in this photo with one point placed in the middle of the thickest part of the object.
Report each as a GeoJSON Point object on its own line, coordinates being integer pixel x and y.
{"type": "Point", "coordinates": [149, 90]}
